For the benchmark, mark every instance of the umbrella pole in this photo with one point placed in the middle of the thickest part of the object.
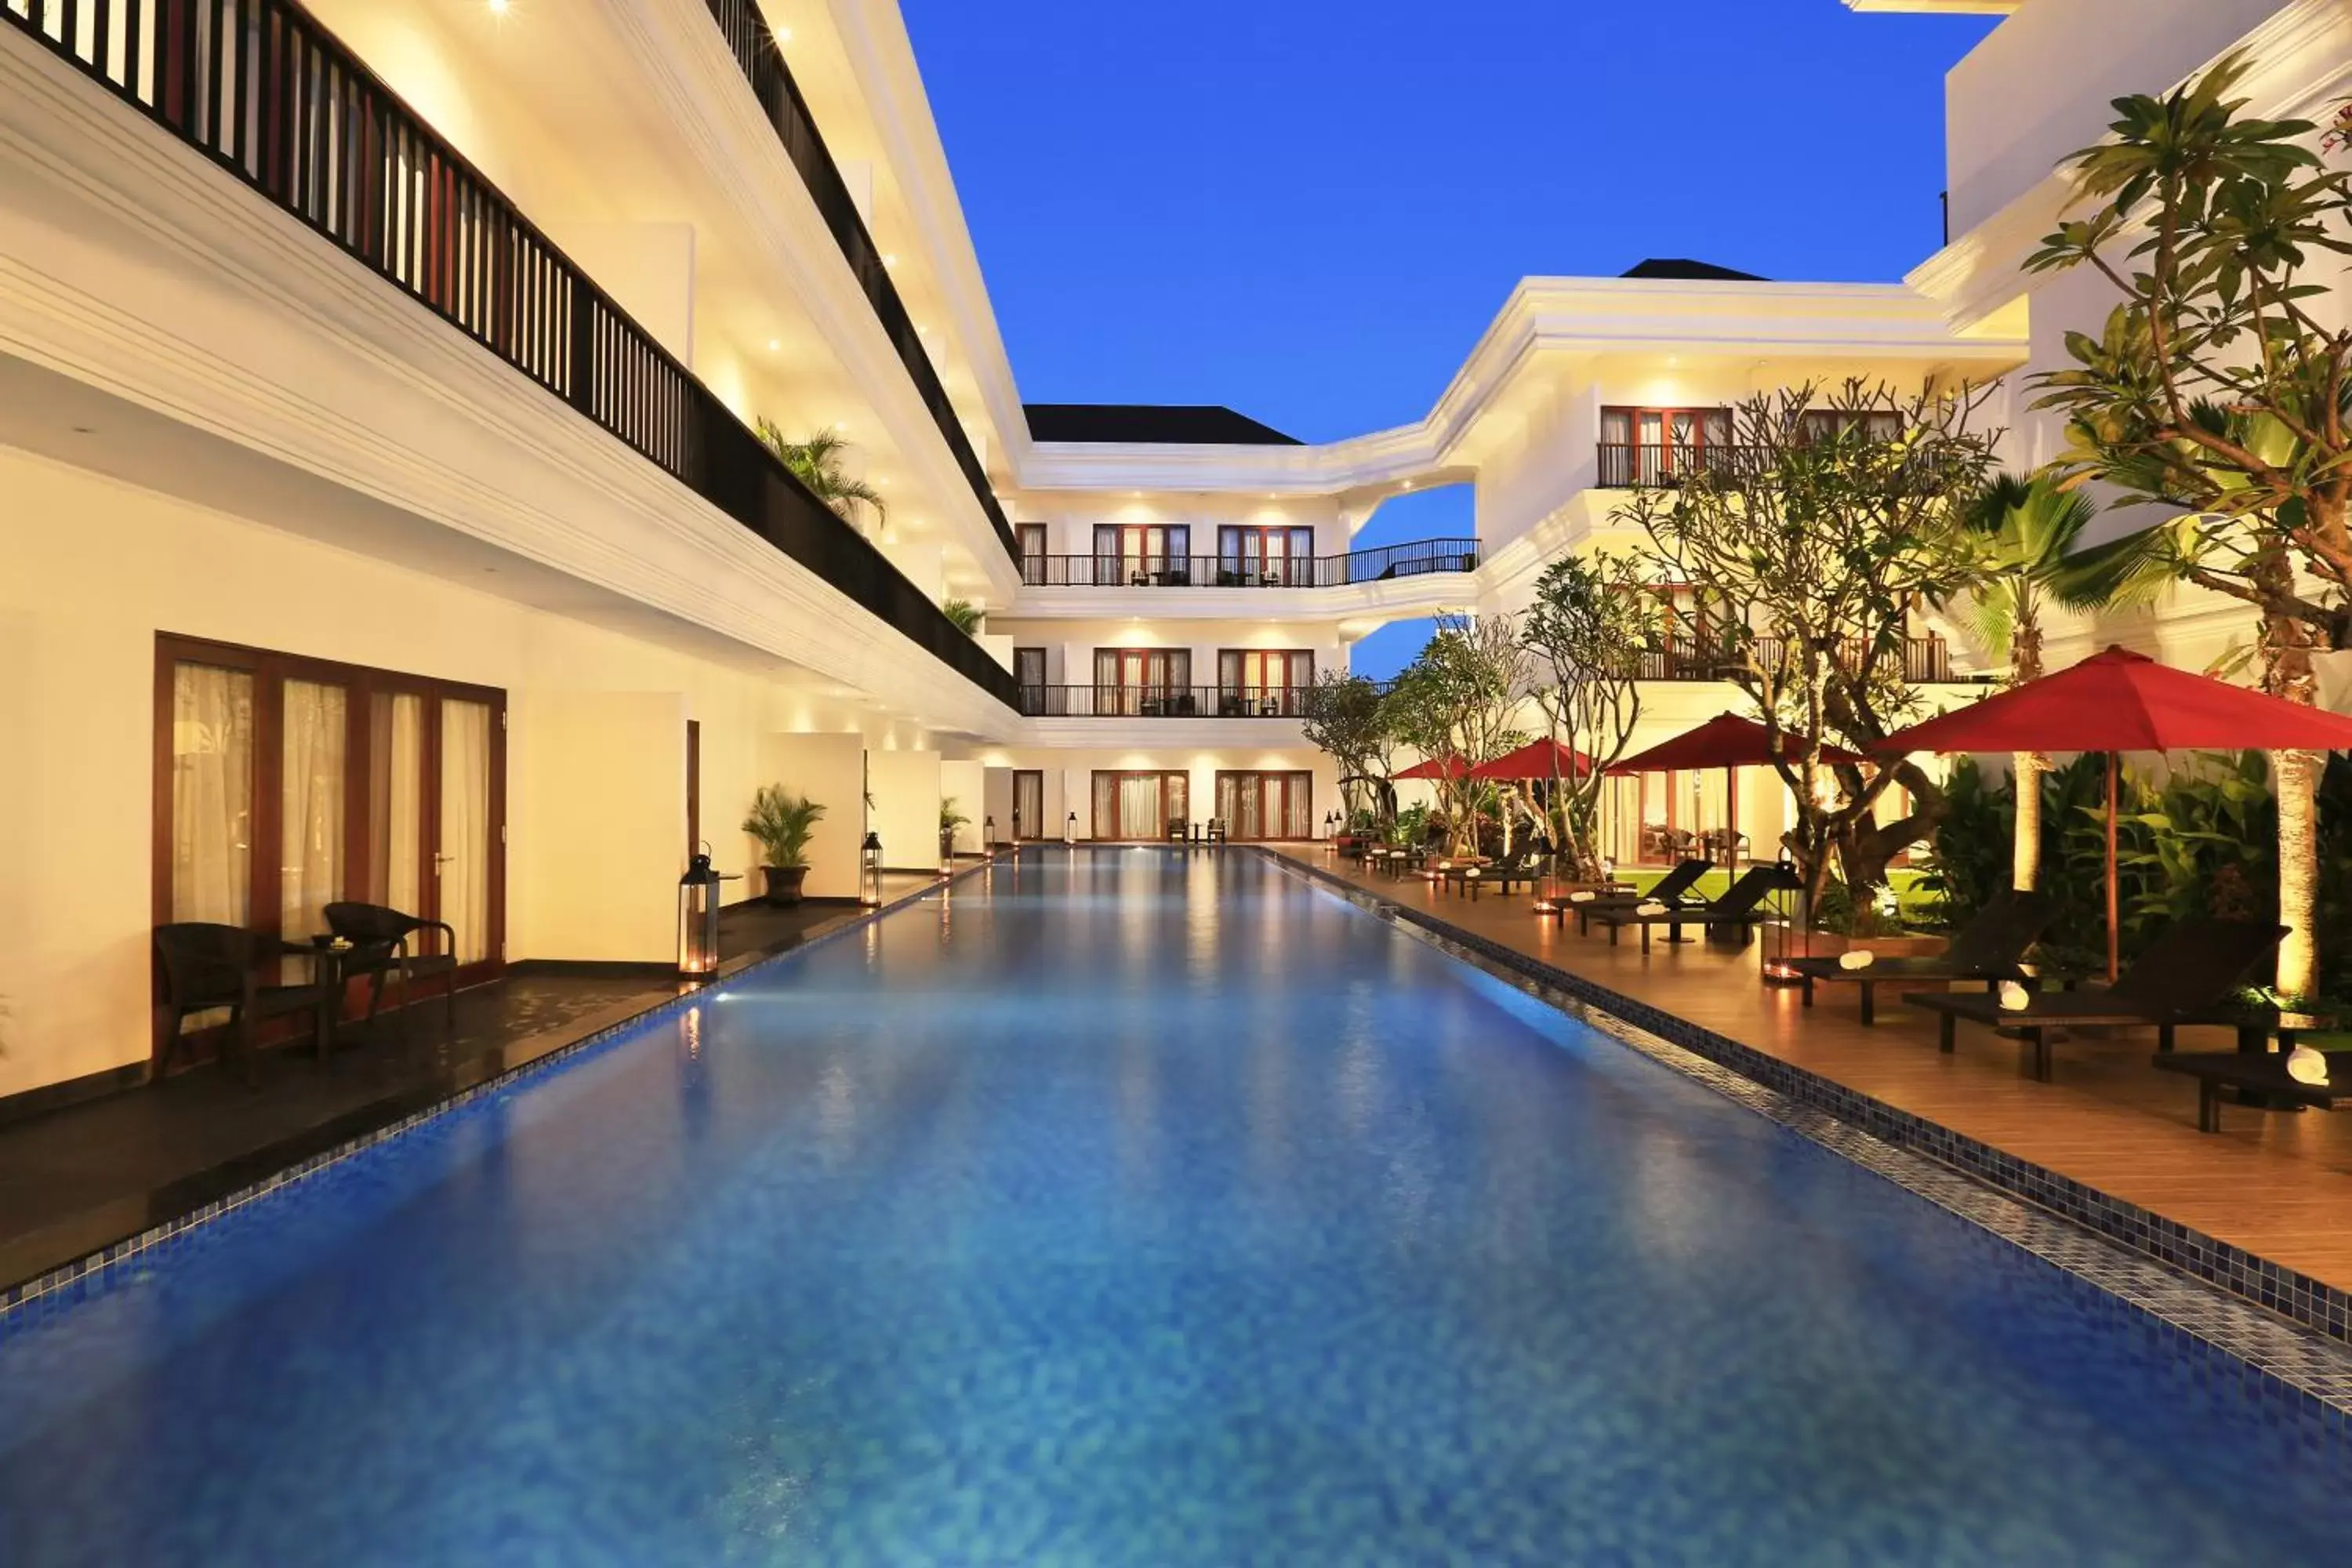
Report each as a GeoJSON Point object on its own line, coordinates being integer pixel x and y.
{"type": "Point", "coordinates": [1730, 818]}
{"type": "Point", "coordinates": [2114, 936]}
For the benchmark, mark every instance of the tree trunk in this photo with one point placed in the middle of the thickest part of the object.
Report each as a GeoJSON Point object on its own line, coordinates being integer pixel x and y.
{"type": "Point", "coordinates": [2025, 783]}
{"type": "Point", "coordinates": [2295, 776]}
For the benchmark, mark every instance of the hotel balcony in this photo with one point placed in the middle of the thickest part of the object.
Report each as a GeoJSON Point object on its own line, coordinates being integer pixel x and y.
{"type": "Point", "coordinates": [1925, 662]}
{"type": "Point", "coordinates": [1626, 465]}
{"type": "Point", "coordinates": [1163, 701]}
{"type": "Point", "coordinates": [1387, 564]}
{"type": "Point", "coordinates": [276, 106]}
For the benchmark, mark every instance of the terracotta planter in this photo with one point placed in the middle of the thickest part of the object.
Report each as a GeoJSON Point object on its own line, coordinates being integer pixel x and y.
{"type": "Point", "coordinates": [784, 884]}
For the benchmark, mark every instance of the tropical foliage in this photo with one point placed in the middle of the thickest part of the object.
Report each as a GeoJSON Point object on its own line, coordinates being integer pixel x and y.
{"type": "Point", "coordinates": [1587, 628]}
{"type": "Point", "coordinates": [816, 463]}
{"type": "Point", "coordinates": [2216, 395]}
{"type": "Point", "coordinates": [783, 822]}
{"type": "Point", "coordinates": [1349, 718]}
{"type": "Point", "coordinates": [1805, 559]}
{"type": "Point", "coordinates": [966, 616]}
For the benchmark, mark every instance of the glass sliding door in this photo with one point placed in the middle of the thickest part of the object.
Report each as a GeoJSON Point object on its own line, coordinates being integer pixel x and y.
{"type": "Point", "coordinates": [1266, 557]}
{"type": "Point", "coordinates": [396, 800]}
{"type": "Point", "coordinates": [1264, 682]}
{"type": "Point", "coordinates": [285, 783]}
{"type": "Point", "coordinates": [1259, 805]}
{"type": "Point", "coordinates": [1131, 804]}
{"type": "Point", "coordinates": [1132, 682]}
{"type": "Point", "coordinates": [314, 732]}
{"type": "Point", "coordinates": [1028, 805]}
{"type": "Point", "coordinates": [462, 865]}
{"type": "Point", "coordinates": [211, 874]}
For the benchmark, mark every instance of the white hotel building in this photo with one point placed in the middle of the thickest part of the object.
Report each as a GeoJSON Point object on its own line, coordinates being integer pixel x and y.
{"type": "Point", "coordinates": [380, 514]}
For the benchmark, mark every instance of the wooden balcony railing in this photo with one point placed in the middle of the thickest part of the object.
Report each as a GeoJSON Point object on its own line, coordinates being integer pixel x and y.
{"type": "Point", "coordinates": [274, 99]}
{"type": "Point", "coordinates": [745, 30]}
{"type": "Point", "coordinates": [1625, 465]}
{"type": "Point", "coordinates": [1387, 564]}
{"type": "Point", "coordinates": [1924, 661]}
{"type": "Point", "coordinates": [1164, 701]}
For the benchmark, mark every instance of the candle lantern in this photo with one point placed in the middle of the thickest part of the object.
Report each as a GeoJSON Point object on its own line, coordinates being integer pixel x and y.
{"type": "Point", "coordinates": [698, 919]}
{"type": "Point", "coordinates": [988, 837]}
{"type": "Point", "coordinates": [869, 872]}
{"type": "Point", "coordinates": [947, 851]}
{"type": "Point", "coordinates": [1070, 829]}
{"type": "Point", "coordinates": [1789, 936]}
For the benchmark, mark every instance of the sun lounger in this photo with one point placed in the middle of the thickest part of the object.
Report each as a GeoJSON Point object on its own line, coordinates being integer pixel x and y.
{"type": "Point", "coordinates": [2260, 1080]}
{"type": "Point", "coordinates": [1740, 909]}
{"type": "Point", "coordinates": [2184, 977]}
{"type": "Point", "coordinates": [1673, 889]}
{"type": "Point", "coordinates": [1989, 948]}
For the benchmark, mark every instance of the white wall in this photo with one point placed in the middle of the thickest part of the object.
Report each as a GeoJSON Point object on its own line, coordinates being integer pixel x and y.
{"type": "Point", "coordinates": [92, 570]}
{"type": "Point", "coordinates": [597, 812]}
{"type": "Point", "coordinates": [966, 784]}
{"type": "Point", "coordinates": [830, 770]}
{"type": "Point", "coordinates": [2038, 87]}
{"type": "Point", "coordinates": [906, 786]}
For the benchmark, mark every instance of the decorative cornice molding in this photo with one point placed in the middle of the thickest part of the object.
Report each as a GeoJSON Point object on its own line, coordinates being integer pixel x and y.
{"type": "Point", "coordinates": [134, 265]}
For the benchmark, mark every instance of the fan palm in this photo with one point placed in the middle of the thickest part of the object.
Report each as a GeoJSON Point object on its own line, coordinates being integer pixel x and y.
{"type": "Point", "coordinates": [2025, 533]}
{"type": "Point", "coordinates": [816, 463]}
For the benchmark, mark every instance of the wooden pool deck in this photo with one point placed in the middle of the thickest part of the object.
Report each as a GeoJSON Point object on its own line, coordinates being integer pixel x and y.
{"type": "Point", "coordinates": [2277, 1185]}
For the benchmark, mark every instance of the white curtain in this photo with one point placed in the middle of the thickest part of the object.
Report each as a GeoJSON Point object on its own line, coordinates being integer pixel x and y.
{"type": "Point", "coordinates": [311, 833]}
{"type": "Point", "coordinates": [465, 864]}
{"type": "Point", "coordinates": [399, 799]}
{"type": "Point", "coordinates": [1139, 807]}
{"type": "Point", "coordinates": [212, 793]}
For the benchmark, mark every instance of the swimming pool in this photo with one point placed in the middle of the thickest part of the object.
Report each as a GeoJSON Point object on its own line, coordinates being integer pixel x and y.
{"type": "Point", "coordinates": [1126, 1207]}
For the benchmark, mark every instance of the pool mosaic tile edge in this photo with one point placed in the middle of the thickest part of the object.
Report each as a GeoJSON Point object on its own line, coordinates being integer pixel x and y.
{"type": "Point", "coordinates": [2285, 1329]}
{"type": "Point", "coordinates": [70, 1281]}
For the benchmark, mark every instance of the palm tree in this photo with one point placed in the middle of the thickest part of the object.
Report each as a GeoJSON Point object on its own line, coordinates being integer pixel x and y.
{"type": "Point", "coordinates": [2025, 531]}
{"type": "Point", "coordinates": [816, 463]}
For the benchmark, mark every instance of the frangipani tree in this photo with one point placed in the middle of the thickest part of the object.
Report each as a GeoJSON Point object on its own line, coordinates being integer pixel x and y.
{"type": "Point", "coordinates": [1587, 628]}
{"type": "Point", "coordinates": [1461, 697]}
{"type": "Point", "coordinates": [2217, 395]}
{"type": "Point", "coordinates": [1805, 559]}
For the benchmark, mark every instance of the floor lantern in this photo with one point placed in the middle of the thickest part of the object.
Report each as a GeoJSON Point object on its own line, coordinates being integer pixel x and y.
{"type": "Point", "coordinates": [698, 919]}
{"type": "Point", "coordinates": [1791, 937]}
{"type": "Point", "coordinates": [869, 872]}
{"type": "Point", "coordinates": [1070, 829]}
{"type": "Point", "coordinates": [988, 837]}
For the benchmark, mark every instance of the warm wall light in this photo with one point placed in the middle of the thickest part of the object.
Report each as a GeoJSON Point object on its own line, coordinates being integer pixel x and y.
{"type": "Point", "coordinates": [773, 345]}
{"type": "Point", "coordinates": [499, 7]}
{"type": "Point", "coordinates": [783, 35]}
{"type": "Point", "coordinates": [889, 260]}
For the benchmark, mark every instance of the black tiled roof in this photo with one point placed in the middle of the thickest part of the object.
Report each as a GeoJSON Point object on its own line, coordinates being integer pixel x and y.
{"type": "Point", "coordinates": [1687, 270]}
{"type": "Point", "coordinates": [1182, 425]}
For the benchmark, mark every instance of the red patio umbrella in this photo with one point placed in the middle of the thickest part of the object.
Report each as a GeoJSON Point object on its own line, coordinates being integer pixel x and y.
{"type": "Point", "coordinates": [2124, 702]}
{"type": "Point", "coordinates": [1452, 767]}
{"type": "Point", "coordinates": [1726, 741]}
{"type": "Point", "coordinates": [1541, 759]}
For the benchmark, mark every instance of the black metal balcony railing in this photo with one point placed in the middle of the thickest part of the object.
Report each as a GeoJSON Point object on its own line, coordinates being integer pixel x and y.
{"type": "Point", "coordinates": [270, 96]}
{"type": "Point", "coordinates": [1164, 701]}
{"type": "Point", "coordinates": [1115, 571]}
{"type": "Point", "coordinates": [748, 38]}
{"type": "Point", "coordinates": [1925, 662]}
{"type": "Point", "coordinates": [1625, 465]}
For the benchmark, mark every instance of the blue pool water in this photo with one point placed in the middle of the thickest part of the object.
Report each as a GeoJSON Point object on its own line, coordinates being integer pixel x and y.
{"type": "Point", "coordinates": [1130, 1209]}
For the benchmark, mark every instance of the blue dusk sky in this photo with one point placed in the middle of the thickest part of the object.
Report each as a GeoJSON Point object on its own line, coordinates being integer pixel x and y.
{"type": "Point", "coordinates": [1309, 209]}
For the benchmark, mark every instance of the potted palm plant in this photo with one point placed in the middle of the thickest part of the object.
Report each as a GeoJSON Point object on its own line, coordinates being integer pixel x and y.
{"type": "Point", "coordinates": [816, 463]}
{"type": "Point", "coordinates": [951, 819]}
{"type": "Point", "coordinates": [783, 822]}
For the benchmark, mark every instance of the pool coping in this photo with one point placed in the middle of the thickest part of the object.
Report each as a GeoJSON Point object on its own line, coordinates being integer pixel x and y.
{"type": "Point", "coordinates": [72, 1279]}
{"type": "Point", "coordinates": [2286, 1328]}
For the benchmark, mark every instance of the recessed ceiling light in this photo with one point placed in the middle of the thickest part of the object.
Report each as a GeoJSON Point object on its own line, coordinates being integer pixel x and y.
{"type": "Point", "coordinates": [783, 35]}
{"type": "Point", "coordinates": [499, 7]}
{"type": "Point", "coordinates": [773, 345]}
{"type": "Point", "coordinates": [888, 259]}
